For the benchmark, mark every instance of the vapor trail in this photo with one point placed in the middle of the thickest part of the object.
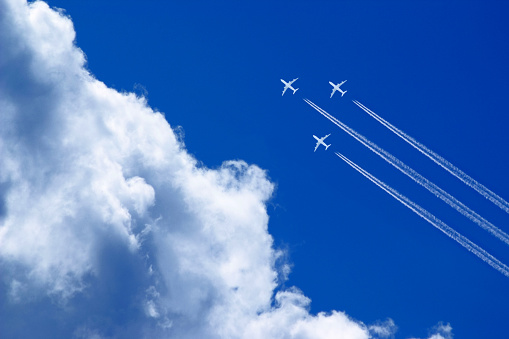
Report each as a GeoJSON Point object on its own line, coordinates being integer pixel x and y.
{"type": "Point", "coordinates": [418, 178]}
{"type": "Point", "coordinates": [481, 189]}
{"type": "Point", "coordinates": [462, 240]}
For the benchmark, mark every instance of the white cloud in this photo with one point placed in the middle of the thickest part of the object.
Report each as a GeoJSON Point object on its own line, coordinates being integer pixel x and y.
{"type": "Point", "coordinates": [107, 222]}
{"type": "Point", "coordinates": [290, 319]}
{"type": "Point", "coordinates": [384, 329]}
{"type": "Point", "coordinates": [440, 331]}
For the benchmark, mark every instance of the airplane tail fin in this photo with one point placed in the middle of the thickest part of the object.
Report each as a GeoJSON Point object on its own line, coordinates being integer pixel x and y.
{"type": "Point", "coordinates": [295, 90]}
{"type": "Point", "coordinates": [327, 146]}
{"type": "Point", "coordinates": [343, 93]}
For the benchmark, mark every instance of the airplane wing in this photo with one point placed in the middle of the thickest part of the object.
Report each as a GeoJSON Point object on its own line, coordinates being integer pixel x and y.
{"type": "Point", "coordinates": [333, 90]}
{"type": "Point", "coordinates": [325, 137]}
{"type": "Point", "coordinates": [316, 147]}
{"type": "Point", "coordinates": [342, 83]}
{"type": "Point", "coordinates": [286, 87]}
{"type": "Point", "coordinates": [291, 82]}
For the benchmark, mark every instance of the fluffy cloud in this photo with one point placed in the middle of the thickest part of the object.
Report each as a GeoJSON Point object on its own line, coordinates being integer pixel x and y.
{"type": "Point", "coordinates": [109, 228]}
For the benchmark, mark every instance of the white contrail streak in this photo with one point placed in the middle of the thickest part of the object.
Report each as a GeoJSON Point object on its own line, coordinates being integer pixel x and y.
{"type": "Point", "coordinates": [481, 189]}
{"type": "Point", "coordinates": [462, 240]}
{"type": "Point", "coordinates": [430, 186]}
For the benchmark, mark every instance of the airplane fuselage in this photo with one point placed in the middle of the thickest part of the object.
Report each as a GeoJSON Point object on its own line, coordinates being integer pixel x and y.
{"type": "Point", "coordinates": [336, 88]}
{"type": "Point", "coordinates": [288, 85]}
{"type": "Point", "coordinates": [320, 142]}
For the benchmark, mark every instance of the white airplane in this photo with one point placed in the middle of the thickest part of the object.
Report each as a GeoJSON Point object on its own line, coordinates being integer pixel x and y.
{"type": "Point", "coordinates": [336, 88]}
{"type": "Point", "coordinates": [289, 85]}
{"type": "Point", "coordinates": [320, 142]}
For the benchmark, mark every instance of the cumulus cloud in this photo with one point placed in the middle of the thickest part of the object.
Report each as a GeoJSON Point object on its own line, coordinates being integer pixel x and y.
{"type": "Point", "coordinates": [109, 228]}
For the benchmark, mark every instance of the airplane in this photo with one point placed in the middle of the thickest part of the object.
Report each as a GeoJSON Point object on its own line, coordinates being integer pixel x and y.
{"type": "Point", "coordinates": [320, 142]}
{"type": "Point", "coordinates": [289, 85]}
{"type": "Point", "coordinates": [336, 88]}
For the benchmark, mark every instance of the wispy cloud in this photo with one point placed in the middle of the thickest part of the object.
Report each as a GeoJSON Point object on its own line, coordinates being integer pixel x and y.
{"type": "Point", "coordinates": [440, 331]}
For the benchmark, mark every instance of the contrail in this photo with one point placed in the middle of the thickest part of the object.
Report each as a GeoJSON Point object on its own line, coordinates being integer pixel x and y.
{"type": "Point", "coordinates": [462, 240]}
{"type": "Point", "coordinates": [481, 189]}
{"type": "Point", "coordinates": [430, 186]}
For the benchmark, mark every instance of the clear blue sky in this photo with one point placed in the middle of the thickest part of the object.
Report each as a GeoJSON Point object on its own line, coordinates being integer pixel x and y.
{"type": "Point", "coordinates": [437, 70]}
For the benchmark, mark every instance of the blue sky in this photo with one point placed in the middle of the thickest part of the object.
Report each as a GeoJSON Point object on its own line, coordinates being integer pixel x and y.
{"type": "Point", "coordinates": [437, 71]}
